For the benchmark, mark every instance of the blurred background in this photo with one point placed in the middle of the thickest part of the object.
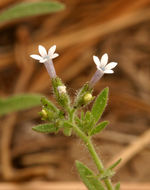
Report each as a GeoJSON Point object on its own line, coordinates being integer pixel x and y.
{"type": "Point", "coordinates": [120, 28]}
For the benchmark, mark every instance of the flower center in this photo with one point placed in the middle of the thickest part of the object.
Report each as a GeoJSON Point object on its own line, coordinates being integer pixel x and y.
{"type": "Point", "coordinates": [46, 57]}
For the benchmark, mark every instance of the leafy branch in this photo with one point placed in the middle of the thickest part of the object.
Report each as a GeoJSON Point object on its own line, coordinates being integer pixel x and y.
{"type": "Point", "coordinates": [84, 125]}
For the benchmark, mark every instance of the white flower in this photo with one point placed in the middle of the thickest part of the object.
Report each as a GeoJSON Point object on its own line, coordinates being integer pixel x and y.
{"type": "Point", "coordinates": [44, 56]}
{"type": "Point", "coordinates": [61, 89]}
{"type": "Point", "coordinates": [102, 64]}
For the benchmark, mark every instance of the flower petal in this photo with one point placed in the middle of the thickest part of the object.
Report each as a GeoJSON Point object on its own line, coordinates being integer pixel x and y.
{"type": "Point", "coordinates": [54, 55]}
{"type": "Point", "coordinates": [43, 60]}
{"type": "Point", "coordinates": [52, 50]}
{"type": "Point", "coordinates": [104, 60]}
{"type": "Point", "coordinates": [109, 71]}
{"type": "Point", "coordinates": [42, 51]}
{"type": "Point", "coordinates": [96, 61]}
{"type": "Point", "coordinates": [111, 65]}
{"type": "Point", "coordinates": [36, 57]}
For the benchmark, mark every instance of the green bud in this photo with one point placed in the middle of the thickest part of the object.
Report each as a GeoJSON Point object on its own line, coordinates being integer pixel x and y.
{"type": "Point", "coordinates": [48, 115]}
{"type": "Point", "coordinates": [84, 96]}
{"type": "Point", "coordinates": [87, 97]}
{"type": "Point", "coordinates": [44, 113]}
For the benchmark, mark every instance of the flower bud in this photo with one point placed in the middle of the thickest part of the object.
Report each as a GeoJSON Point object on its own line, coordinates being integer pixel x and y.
{"type": "Point", "coordinates": [61, 89]}
{"type": "Point", "coordinates": [61, 93]}
{"type": "Point", "coordinates": [83, 96]}
{"type": "Point", "coordinates": [44, 113]}
{"type": "Point", "coordinates": [87, 97]}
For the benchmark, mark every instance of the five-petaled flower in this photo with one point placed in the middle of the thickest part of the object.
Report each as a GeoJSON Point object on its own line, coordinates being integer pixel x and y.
{"type": "Point", "coordinates": [102, 64]}
{"type": "Point", "coordinates": [102, 68]}
{"type": "Point", "coordinates": [44, 56]}
{"type": "Point", "coordinates": [46, 59]}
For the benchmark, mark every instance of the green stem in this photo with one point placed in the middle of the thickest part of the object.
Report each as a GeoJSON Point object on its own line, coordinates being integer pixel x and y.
{"type": "Point", "coordinates": [94, 155]}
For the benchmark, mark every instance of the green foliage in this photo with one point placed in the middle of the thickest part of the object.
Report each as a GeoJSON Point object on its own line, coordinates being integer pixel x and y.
{"type": "Point", "coordinates": [88, 177]}
{"type": "Point", "coordinates": [85, 122]}
{"type": "Point", "coordinates": [27, 9]}
{"type": "Point", "coordinates": [115, 164]}
{"type": "Point", "coordinates": [67, 128]}
{"type": "Point", "coordinates": [67, 131]}
{"type": "Point", "coordinates": [50, 112]}
{"type": "Point", "coordinates": [107, 174]}
{"type": "Point", "coordinates": [84, 125]}
{"type": "Point", "coordinates": [100, 104]}
{"type": "Point", "coordinates": [49, 105]}
{"type": "Point", "coordinates": [67, 124]}
{"type": "Point", "coordinates": [18, 103]}
{"type": "Point", "coordinates": [117, 186]}
{"type": "Point", "coordinates": [45, 128]}
{"type": "Point", "coordinates": [98, 128]}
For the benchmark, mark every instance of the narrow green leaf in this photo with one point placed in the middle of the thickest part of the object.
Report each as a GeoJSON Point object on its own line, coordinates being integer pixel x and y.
{"type": "Point", "coordinates": [19, 102]}
{"type": "Point", "coordinates": [115, 164]}
{"type": "Point", "coordinates": [100, 104]}
{"type": "Point", "coordinates": [88, 122]}
{"type": "Point", "coordinates": [117, 186]}
{"type": "Point", "coordinates": [27, 9]}
{"type": "Point", "coordinates": [45, 128]}
{"type": "Point", "coordinates": [88, 177]}
{"type": "Point", "coordinates": [99, 128]}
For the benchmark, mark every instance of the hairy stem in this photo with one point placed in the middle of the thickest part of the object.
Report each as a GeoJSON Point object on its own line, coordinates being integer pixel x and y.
{"type": "Point", "coordinates": [93, 154]}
